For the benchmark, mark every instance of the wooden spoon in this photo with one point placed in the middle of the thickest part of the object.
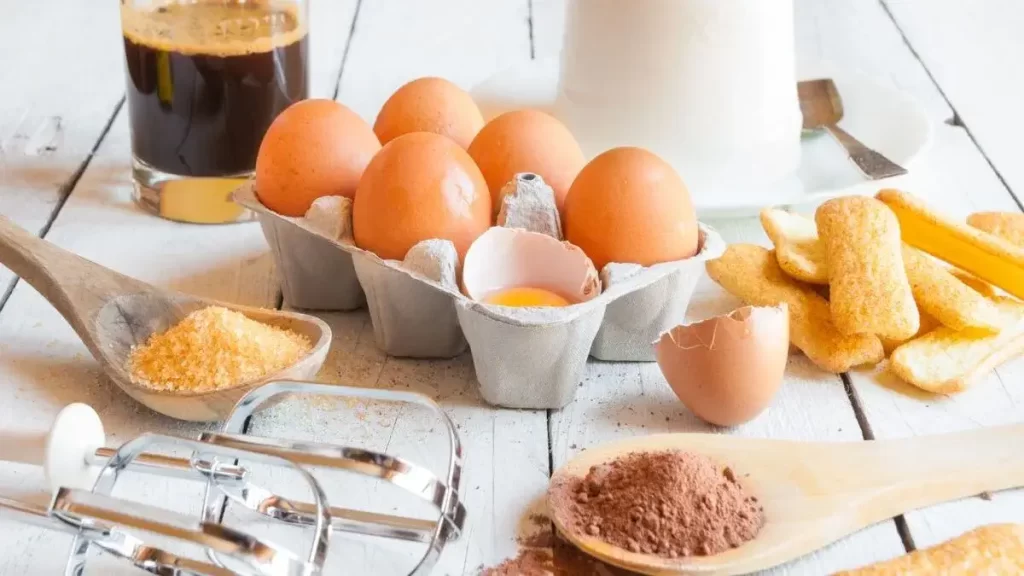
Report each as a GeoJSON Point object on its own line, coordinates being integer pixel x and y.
{"type": "Point", "coordinates": [112, 312]}
{"type": "Point", "coordinates": [815, 493]}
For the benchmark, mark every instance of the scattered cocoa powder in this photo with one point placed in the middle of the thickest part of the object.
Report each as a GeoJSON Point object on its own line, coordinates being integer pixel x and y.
{"type": "Point", "coordinates": [542, 539]}
{"type": "Point", "coordinates": [539, 520]}
{"type": "Point", "coordinates": [672, 504]}
{"type": "Point", "coordinates": [561, 559]}
{"type": "Point", "coordinates": [529, 562]}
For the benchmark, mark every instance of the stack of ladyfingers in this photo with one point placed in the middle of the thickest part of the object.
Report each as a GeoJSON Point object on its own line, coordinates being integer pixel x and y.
{"type": "Point", "coordinates": [886, 276]}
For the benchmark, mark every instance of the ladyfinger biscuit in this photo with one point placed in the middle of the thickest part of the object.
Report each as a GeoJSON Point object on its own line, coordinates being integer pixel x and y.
{"type": "Point", "coordinates": [752, 274]}
{"type": "Point", "coordinates": [945, 361]}
{"type": "Point", "coordinates": [868, 286]}
{"type": "Point", "coordinates": [797, 248]}
{"type": "Point", "coordinates": [1007, 225]}
{"type": "Point", "coordinates": [940, 294]}
{"type": "Point", "coordinates": [988, 257]}
{"type": "Point", "coordinates": [996, 549]}
{"type": "Point", "coordinates": [975, 283]}
{"type": "Point", "coordinates": [928, 323]}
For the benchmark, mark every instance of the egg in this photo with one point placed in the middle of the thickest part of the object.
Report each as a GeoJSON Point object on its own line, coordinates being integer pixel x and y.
{"type": "Point", "coordinates": [519, 268]}
{"type": "Point", "coordinates": [429, 105]}
{"type": "Point", "coordinates": [314, 148]}
{"type": "Point", "coordinates": [727, 369]}
{"type": "Point", "coordinates": [418, 187]}
{"type": "Point", "coordinates": [628, 205]}
{"type": "Point", "coordinates": [527, 141]}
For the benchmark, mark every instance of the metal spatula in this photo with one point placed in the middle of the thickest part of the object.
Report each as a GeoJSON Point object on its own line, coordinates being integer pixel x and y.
{"type": "Point", "coordinates": [822, 109]}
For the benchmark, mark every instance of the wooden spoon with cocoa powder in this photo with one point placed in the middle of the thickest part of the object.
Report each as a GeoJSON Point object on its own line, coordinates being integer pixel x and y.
{"type": "Point", "coordinates": [112, 313]}
{"type": "Point", "coordinates": [812, 493]}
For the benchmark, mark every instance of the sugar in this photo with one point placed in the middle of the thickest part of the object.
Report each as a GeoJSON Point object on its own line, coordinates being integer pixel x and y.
{"type": "Point", "coordinates": [211, 349]}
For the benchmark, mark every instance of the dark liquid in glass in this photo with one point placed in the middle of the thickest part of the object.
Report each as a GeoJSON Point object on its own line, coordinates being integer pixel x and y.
{"type": "Point", "coordinates": [206, 79]}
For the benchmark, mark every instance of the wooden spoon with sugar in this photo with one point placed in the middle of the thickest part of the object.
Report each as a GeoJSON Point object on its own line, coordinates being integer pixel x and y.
{"type": "Point", "coordinates": [112, 313]}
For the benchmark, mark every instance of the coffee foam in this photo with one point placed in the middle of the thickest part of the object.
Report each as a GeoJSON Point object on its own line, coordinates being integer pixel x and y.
{"type": "Point", "coordinates": [215, 28]}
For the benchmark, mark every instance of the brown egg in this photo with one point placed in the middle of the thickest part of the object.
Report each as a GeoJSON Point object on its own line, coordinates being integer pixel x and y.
{"type": "Point", "coordinates": [629, 205]}
{"type": "Point", "coordinates": [420, 186]}
{"type": "Point", "coordinates": [727, 369]}
{"type": "Point", "coordinates": [429, 105]}
{"type": "Point", "coordinates": [313, 148]}
{"type": "Point", "coordinates": [527, 141]}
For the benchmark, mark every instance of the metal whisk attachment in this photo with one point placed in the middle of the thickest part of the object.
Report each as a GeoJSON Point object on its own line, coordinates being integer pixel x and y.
{"type": "Point", "coordinates": [84, 474]}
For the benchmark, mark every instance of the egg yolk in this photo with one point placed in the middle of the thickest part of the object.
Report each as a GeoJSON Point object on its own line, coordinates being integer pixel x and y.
{"type": "Point", "coordinates": [524, 297]}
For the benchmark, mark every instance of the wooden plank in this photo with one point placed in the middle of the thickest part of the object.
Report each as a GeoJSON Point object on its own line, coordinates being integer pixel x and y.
{"type": "Point", "coordinates": [64, 78]}
{"type": "Point", "coordinates": [461, 40]}
{"type": "Point", "coordinates": [963, 46]}
{"type": "Point", "coordinates": [548, 18]}
{"type": "Point", "coordinates": [506, 467]}
{"type": "Point", "coordinates": [43, 364]}
{"type": "Point", "coordinates": [961, 181]}
{"type": "Point", "coordinates": [329, 27]}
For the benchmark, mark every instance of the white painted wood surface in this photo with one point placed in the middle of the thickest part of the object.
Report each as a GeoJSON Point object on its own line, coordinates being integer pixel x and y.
{"type": "Point", "coordinates": [63, 58]}
{"type": "Point", "coordinates": [968, 50]}
{"type": "Point", "coordinates": [972, 49]}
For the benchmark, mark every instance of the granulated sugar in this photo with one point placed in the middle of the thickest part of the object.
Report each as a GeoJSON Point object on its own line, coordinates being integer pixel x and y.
{"type": "Point", "coordinates": [671, 504]}
{"type": "Point", "coordinates": [214, 348]}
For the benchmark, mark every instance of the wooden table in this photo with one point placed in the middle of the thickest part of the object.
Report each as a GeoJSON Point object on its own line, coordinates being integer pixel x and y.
{"type": "Point", "coordinates": [64, 174]}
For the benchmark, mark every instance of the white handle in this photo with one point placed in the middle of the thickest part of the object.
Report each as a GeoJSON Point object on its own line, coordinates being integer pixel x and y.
{"type": "Point", "coordinates": [65, 453]}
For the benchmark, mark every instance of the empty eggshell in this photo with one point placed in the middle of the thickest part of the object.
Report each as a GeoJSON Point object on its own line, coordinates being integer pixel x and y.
{"type": "Point", "coordinates": [507, 258]}
{"type": "Point", "coordinates": [726, 369]}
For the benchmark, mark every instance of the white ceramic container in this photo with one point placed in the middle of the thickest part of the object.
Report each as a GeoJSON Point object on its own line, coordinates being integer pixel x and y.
{"type": "Point", "coordinates": [709, 85]}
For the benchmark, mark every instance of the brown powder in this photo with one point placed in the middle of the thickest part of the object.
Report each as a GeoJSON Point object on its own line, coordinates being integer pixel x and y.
{"type": "Point", "coordinates": [560, 558]}
{"type": "Point", "coordinates": [214, 348]}
{"type": "Point", "coordinates": [529, 562]}
{"type": "Point", "coordinates": [672, 504]}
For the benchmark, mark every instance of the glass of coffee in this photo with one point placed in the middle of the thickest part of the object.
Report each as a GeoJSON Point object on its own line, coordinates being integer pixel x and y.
{"type": "Point", "coordinates": [205, 78]}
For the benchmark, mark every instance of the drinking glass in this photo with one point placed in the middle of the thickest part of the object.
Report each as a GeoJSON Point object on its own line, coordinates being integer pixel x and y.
{"type": "Point", "coordinates": [205, 78]}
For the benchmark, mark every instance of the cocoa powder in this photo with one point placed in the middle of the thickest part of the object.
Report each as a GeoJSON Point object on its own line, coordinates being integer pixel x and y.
{"type": "Point", "coordinates": [559, 559]}
{"type": "Point", "coordinates": [672, 504]}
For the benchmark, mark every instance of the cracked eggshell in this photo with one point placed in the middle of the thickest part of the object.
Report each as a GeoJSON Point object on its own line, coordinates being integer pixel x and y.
{"type": "Point", "coordinates": [508, 257]}
{"type": "Point", "coordinates": [727, 369]}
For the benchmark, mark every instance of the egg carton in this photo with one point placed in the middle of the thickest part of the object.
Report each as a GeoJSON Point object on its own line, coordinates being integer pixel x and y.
{"type": "Point", "coordinates": [523, 357]}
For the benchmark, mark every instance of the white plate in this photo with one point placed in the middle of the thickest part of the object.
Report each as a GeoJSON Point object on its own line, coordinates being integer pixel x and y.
{"type": "Point", "coordinates": [881, 117]}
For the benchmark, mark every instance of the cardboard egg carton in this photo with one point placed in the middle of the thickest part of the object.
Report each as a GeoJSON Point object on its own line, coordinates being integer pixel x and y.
{"type": "Point", "coordinates": [524, 357]}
